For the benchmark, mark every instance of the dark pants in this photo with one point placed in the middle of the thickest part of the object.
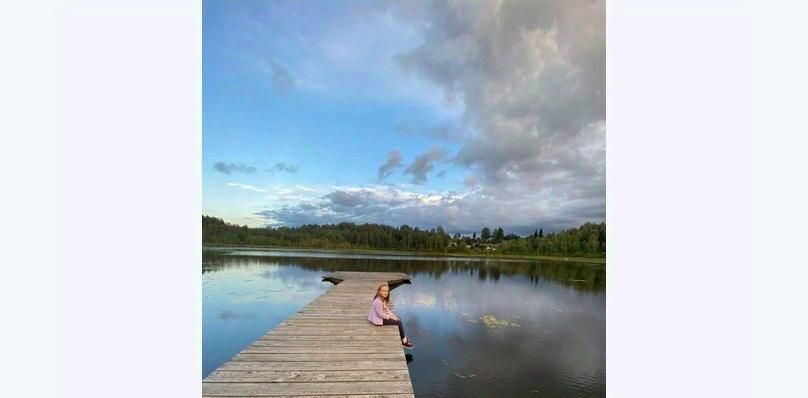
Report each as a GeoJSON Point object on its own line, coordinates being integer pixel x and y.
{"type": "Point", "coordinates": [392, 322]}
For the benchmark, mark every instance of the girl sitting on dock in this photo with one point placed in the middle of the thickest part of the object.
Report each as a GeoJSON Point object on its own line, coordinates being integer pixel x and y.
{"type": "Point", "coordinates": [380, 313]}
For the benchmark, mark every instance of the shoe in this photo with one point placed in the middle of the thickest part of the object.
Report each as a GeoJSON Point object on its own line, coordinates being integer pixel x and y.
{"type": "Point", "coordinates": [408, 344]}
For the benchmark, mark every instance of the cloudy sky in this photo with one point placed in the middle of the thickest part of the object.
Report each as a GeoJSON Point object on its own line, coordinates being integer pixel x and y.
{"type": "Point", "coordinates": [454, 113]}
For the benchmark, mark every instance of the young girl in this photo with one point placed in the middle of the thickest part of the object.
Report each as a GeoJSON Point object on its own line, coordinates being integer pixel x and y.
{"type": "Point", "coordinates": [380, 313]}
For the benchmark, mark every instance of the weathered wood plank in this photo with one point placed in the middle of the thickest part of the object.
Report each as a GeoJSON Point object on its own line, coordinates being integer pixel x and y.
{"type": "Point", "coordinates": [365, 274]}
{"type": "Point", "coordinates": [337, 329]}
{"type": "Point", "coordinates": [357, 288]}
{"type": "Point", "coordinates": [329, 322]}
{"type": "Point", "coordinates": [307, 316]}
{"type": "Point", "coordinates": [339, 349]}
{"type": "Point", "coordinates": [386, 342]}
{"type": "Point", "coordinates": [333, 312]}
{"type": "Point", "coordinates": [314, 366]}
{"type": "Point", "coordinates": [348, 300]}
{"type": "Point", "coordinates": [340, 308]}
{"type": "Point", "coordinates": [358, 319]}
{"type": "Point", "coordinates": [290, 376]}
{"type": "Point", "coordinates": [360, 325]}
{"type": "Point", "coordinates": [281, 389]}
{"type": "Point", "coordinates": [334, 396]}
{"type": "Point", "coordinates": [325, 315]}
{"type": "Point", "coordinates": [350, 330]}
{"type": "Point", "coordinates": [359, 329]}
{"type": "Point", "coordinates": [342, 338]}
{"type": "Point", "coordinates": [343, 298]}
{"type": "Point", "coordinates": [358, 285]}
{"type": "Point", "coordinates": [330, 325]}
{"type": "Point", "coordinates": [317, 357]}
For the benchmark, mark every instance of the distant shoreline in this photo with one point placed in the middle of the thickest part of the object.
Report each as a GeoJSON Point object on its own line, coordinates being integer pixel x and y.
{"type": "Point", "coordinates": [420, 254]}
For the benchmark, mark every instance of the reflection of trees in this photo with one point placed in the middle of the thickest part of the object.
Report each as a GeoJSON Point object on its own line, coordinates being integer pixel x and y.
{"type": "Point", "coordinates": [582, 277]}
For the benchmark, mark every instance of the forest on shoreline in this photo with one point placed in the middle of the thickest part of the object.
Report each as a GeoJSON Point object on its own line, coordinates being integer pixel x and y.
{"type": "Point", "coordinates": [588, 240]}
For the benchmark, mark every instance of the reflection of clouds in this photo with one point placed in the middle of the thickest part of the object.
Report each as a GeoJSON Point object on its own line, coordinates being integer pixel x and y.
{"type": "Point", "coordinates": [269, 271]}
{"type": "Point", "coordinates": [554, 323]}
{"type": "Point", "coordinates": [469, 318]}
{"type": "Point", "coordinates": [274, 295]}
{"type": "Point", "coordinates": [218, 259]}
{"type": "Point", "coordinates": [450, 303]}
{"type": "Point", "coordinates": [517, 301]}
{"type": "Point", "coordinates": [424, 300]}
{"type": "Point", "coordinates": [248, 298]}
{"type": "Point", "coordinates": [254, 280]}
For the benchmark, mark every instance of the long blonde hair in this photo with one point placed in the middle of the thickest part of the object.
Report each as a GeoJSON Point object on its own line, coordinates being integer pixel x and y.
{"type": "Point", "coordinates": [385, 300]}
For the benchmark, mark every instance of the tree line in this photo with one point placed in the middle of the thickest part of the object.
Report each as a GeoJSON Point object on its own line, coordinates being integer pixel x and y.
{"type": "Point", "coordinates": [588, 240]}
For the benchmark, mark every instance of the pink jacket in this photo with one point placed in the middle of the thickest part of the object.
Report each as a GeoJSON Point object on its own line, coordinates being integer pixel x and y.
{"type": "Point", "coordinates": [377, 312]}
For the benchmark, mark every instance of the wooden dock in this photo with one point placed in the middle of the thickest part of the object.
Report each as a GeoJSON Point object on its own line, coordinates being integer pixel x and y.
{"type": "Point", "coordinates": [326, 349]}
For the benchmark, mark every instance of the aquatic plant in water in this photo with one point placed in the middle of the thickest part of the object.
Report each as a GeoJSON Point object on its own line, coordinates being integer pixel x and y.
{"type": "Point", "coordinates": [492, 322]}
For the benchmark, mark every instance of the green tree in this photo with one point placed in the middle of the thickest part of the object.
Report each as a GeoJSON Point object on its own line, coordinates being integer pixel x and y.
{"type": "Point", "coordinates": [499, 234]}
{"type": "Point", "coordinates": [485, 234]}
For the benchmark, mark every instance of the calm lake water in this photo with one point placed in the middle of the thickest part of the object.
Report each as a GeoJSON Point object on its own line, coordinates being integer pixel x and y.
{"type": "Point", "coordinates": [480, 327]}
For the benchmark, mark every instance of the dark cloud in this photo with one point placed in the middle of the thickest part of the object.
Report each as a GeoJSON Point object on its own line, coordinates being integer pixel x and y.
{"type": "Point", "coordinates": [338, 206]}
{"type": "Point", "coordinates": [393, 162]}
{"type": "Point", "coordinates": [229, 168]}
{"type": "Point", "coordinates": [442, 174]}
{"type": "Point", "coordinates": [342, 199]}
{"type": "Point", "coordinates": [454, 211]}
{"type": "Point", "coordinates": [283, 167]}
{"type": "Point", "coordinates": [424, 163]}
{"type": "Point", "coordinates": [531, 78]}
{"type": "Point", "coordinates": [307, 207]}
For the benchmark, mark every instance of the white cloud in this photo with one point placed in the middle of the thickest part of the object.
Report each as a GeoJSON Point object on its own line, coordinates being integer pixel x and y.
{"type": "Point", "coordinates": [245, 187]}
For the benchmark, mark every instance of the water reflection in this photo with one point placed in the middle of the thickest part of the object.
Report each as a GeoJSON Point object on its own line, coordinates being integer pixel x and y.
{"type": "Point", "coordinates": [580, 276]}
{"type": "Point", "coordinates": [513, 329]}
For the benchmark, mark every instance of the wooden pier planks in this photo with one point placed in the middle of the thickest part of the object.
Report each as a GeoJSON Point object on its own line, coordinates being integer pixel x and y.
{"type": "Point", "coordinates": [328, 348]}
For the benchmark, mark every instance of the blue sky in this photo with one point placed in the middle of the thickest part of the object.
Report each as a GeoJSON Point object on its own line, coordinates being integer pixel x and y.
{"type": "Point", "coordinates": [421, 113]}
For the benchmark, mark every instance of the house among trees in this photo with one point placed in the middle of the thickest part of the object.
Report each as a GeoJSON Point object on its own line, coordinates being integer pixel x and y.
{"type": "Point", "coordinates": [488, 246]}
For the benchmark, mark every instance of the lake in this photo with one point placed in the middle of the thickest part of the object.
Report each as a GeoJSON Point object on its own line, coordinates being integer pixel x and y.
{"type": "Point", "coordinates": [481, 327]}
